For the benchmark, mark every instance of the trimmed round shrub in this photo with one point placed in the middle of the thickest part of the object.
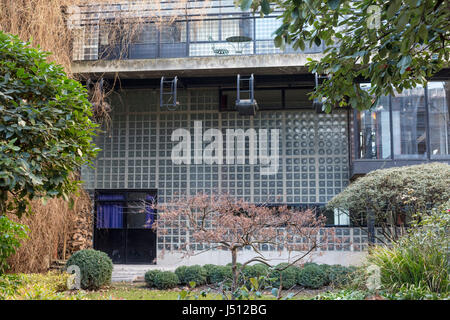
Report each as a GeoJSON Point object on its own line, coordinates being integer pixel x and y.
{"type": "Point", "coordinates": [338, 275]}
{"type": "Point", "coordinates": [288, 276]}
{"type": "Point", "coordinates": [180, 272]}
{"type": "Point", "coordinates": [95, 268]}
{"type": "Point", "coordinates": [150, 277]}
{"type": "Point", "coordinates": [219, 274]}
{"type": "Point", "coordinates": [312, 276]}
{"type": "Point", "coordinates": [187, 274]}
{"type": "Point", "coordinates": [165, 280]}
{"type": "Point", "coordinates": [208, 268]}
{"type": "Point", "coordinates": [256, 270]}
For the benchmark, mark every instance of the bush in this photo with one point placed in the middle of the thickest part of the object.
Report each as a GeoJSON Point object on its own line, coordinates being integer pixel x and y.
{"type": "Point", "coordinates": [220, 274]}
{"type": "Point", "coordinates": [208, 268]}
{"type": "Point", "coordinates": [413, 292]}
{"type": "Point", "coordinates": [195, 273]}
{"type": "Point", "coordinates": [38, 286]}
{"type": "Point", "coordinates": [95, 267]}
{"type": "Point", "coordinates": [312, 276]}
{"type": "Point", "coordinates": [150, 277]}
{"type": "Point", "coordinates": [9, 284]}
{"type": "Point", "coordinates": [288, 276]}
{"type": "Point", "coordinates": [418, 259]}
{"type": "Point", "coordinates": [396, 194]}
{"type": "Point", "coordinates": [346, 294]}
{"type": "Point", "coordinates": [256, 270]}
{"type": "Point", "coordinates": [338, 275]}
{"type": "Point", "coordinates": [165, 280]}
{"type": "Point", "coordinates": [11, 234]}
{"type": "Point", "coordinates": [43, 112]}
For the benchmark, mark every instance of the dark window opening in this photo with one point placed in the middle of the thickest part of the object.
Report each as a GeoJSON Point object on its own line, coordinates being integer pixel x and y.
{"type": "Point", "coordinates": [270, 98]}
{"type": "Point", "coordinates": [123, 225]}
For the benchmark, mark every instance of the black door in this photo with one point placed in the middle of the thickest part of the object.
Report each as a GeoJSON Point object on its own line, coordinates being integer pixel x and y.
{"type": "Point", "coordinates": [123, 226]}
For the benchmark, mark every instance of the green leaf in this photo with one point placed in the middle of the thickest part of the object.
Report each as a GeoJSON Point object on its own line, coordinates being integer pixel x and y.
{"type": "Point", "coordinates": [333, 4]}
{"type": "Point", "coordinates": [393, 8]}
{"type": "Point", "coordinates": [245, 4]}
{"type": "Point", "coordinates": [278, 41]}
{"type": "Point", "coordinates": [403, 20]}
{"type": "Point", "coordinates": [317, 41]}
{"type": "Point", "coordinates": [274, 292]}
{"type": "Point", "coordinates": [423, 32]}
{"type": "Point", "coordinates": [255, 283]}
{"type": "Point", "coordinates": [265, 6]}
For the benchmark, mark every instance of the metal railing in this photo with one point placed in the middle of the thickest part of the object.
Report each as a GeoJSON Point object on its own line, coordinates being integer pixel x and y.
{"type": "Point", "coordinates": [212, 35]}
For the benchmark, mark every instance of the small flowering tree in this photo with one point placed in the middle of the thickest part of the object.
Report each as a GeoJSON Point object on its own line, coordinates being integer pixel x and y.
{"type": "Point", "coordinates": [222, 222]}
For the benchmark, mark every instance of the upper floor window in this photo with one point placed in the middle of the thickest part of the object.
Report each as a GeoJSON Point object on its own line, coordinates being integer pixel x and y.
{"type": "Point", "coordinates": [409, 123]}
{"type": "Point", "coordinates": [438, 107]}
{"type": "Point", "coordinates": [413, 124]}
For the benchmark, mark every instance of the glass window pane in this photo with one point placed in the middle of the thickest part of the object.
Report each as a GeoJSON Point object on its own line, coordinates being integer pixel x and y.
{"type": "Point", "coordinates": [408, 124]}
{"type": "Point", "coordinates": [298, 98]}
{"type": "Point", "coordinates": [438, 106]}
{"type": "Point", "coordinates": [268, 99]}
{"type": "Point", "coordinates": [374, 132]}
{"type": "Point", "coordinates": [207, 30]}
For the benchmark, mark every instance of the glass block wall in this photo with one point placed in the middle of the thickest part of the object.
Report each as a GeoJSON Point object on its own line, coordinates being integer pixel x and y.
{"type": "Point", "coordinates": [136, 151]}
{"type": "Point", "coordinates": [137, 147]}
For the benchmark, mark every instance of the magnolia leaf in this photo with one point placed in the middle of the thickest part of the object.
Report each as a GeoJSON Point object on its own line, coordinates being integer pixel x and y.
{"type": "Point", "coordinates": [333, 4]}
{"type": "Point", "coordinates": [245, 4]}
{"type": "Point", "coordinates": [265, 6]}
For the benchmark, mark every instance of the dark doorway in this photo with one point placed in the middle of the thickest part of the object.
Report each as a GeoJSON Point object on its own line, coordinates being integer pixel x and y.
{"type": "Point", "coordinates": [123, 220]}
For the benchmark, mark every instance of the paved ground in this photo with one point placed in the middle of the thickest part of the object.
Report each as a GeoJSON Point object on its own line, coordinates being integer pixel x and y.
{"type": "Point", "coordinates": [134, 272]}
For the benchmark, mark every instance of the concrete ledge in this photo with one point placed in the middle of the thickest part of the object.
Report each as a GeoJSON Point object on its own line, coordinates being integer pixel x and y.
{"type": "Point", "coordinates": [196, 66]}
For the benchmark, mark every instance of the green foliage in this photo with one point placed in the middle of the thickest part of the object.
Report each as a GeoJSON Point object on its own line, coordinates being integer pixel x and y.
{"type": "Point", "coordinates": [288, 276]}
{"type": "Point", "coordinates": [220, 274]}
{"type": "Point", "coordinates": [95, 267]}
{"type": "Point", "coordinates": [408, 44]}
{"type": "Point", "coordinates": [45, 126]}
{"type": "Point", "coordinates": [47, 286]}
{"type": "Point", "coordinates": [150, 277]}
{"type": "Point", "coordinates": [338, 275]}
{"type": "Point", "coordinates": [413, 292]}
{"type": "Point", "coordinates": [208, 268]}
{"type": "Point", "coordinates": [256, 270]}
{"type": "Point", "coordinates": [9, 284]}
{"type": "Point", "coordinates": [420, 258]}
{"type": "Point", "coordinates": [52, 280]}
{"type": "Point", "coordinates": [194, 273]}
{"type": "Point", "coordinates": [11, 234]}
{"type": "Point", "coordinates": [165, 280]}
{"type": "Point", "coordinates": [346, 294]}
{"type": "Point", "coordinates": [395, 194]}
{"type": "Point", "coordinates": [312, 276]}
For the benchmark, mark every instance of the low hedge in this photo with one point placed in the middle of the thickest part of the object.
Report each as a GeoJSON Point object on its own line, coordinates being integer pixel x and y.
{"type": "Point", "coordinates": [287, 276]}
{"type": "Point", "coordinates": [220, 274]}
{"type": "Point", "coordinates": [256, 270]}
{"type": "Point", "coordinates": [339, 275]}
{"type": "Point", "coordinates": [150, 277]}
{"type": "Point", "coordinates": [165, 280]}
{"type": "Point", "coordinates": [312, 276]}
{"type": "Point", "coordinates": [187, 274]}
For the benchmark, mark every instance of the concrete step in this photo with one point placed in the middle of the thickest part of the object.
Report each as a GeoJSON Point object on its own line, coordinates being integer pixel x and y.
{"type": "Point", "coordinates": [134, 273]}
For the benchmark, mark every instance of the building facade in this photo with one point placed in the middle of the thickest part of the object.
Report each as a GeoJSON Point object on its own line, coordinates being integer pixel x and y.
{"type": "Point", "coordinates": [301, 156]}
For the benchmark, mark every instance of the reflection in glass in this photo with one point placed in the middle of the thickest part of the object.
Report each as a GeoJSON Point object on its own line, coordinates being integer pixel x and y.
{"type": "Point", "coordinates": [439, 104]}
{"type": "Point", "coordinates": [409, 123]}
{"type": "Point", "coordinates": [374, 131]}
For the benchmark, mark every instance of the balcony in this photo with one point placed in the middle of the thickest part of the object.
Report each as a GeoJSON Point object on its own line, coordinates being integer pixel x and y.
{"type": "Point", "coordinates": [220, 30]}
